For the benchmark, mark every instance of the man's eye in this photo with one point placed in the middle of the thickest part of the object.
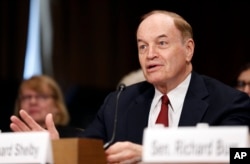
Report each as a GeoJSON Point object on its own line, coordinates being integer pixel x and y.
{"type": "Point", "coordinates": [162, 43]}
{"type": "Point", "coordinates": [142, 47]}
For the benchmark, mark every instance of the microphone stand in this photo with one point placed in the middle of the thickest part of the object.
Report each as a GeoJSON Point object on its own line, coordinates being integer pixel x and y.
{"type": "Point", "coordinates": [120, 89]}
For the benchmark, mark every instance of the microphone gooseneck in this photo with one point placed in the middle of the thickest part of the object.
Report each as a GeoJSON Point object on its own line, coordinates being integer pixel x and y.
{"type": "Point", "coordinates": [121, 87]}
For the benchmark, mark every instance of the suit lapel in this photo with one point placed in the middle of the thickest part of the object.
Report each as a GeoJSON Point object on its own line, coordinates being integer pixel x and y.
{"type": "Point", "coordinates": [138, 114]}
{"type": "Point", "coordinates": [195, 104]}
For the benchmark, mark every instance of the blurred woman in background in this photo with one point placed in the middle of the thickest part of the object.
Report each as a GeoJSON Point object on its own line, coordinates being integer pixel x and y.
{"type": "Point", "coordinates": [243, 79]}
{"type": "Point", "coordinates": [40, 95]}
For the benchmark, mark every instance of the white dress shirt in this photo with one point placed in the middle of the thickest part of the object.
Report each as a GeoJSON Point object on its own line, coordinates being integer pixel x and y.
{"type": "Point", "coordinates": [176, 99]}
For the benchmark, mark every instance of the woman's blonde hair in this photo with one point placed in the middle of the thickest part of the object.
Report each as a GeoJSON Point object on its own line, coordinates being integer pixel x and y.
{"type": "Point", "coordinates": [37, 83]}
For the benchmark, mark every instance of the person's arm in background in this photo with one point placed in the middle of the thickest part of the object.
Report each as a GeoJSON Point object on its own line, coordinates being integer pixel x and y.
{"type": "Point", "coordinates": [28, 124]}
{"type": "Point", "coordinates": [118, 152]}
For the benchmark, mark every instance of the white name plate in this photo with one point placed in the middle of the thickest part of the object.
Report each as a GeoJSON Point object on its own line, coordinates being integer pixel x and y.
{"type": "Point", "coordinates": [192, 144]}
{"type": "Point", "coordinates": [25, 147]}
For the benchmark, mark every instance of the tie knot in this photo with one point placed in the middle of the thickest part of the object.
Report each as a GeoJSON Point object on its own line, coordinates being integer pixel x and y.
{"type": "Point", "coordinates": [164, 99]}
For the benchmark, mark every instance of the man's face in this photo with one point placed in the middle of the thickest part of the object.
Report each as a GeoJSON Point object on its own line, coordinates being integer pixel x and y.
{"type": "Point", "coordinates": [163, 54]}
{"type": "Point", "coordinates": [243, 81]}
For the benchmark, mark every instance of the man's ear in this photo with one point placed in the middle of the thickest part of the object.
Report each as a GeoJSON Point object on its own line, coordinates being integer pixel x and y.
{"type": "Point", "coordinates": [189, 49]}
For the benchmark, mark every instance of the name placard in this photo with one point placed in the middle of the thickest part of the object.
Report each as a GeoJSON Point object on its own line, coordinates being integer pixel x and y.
{"type": "Point", "coordinates": [193, 144]}
{"type": "Point", "coordinates": [25, 147]}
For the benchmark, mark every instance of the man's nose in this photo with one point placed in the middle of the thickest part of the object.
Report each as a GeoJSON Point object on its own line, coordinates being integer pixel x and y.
{"type": "Point", "coordinates": [152, 52]}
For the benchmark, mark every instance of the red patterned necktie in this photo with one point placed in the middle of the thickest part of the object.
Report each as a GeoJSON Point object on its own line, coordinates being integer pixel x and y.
{"type": "Point", "coordinates": [163, 115]}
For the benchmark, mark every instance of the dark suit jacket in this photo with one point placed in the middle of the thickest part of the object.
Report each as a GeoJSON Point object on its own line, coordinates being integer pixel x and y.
{"type": "Point", "coordinates": [207, 100]}
{"type": "Point", "coordinates": [68, 131]}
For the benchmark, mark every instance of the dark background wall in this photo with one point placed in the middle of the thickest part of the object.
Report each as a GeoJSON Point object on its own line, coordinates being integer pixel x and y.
{"type": "Point", "coordinates": [95, 41]}
{"type": "Point", "coordinates": [94, 44]}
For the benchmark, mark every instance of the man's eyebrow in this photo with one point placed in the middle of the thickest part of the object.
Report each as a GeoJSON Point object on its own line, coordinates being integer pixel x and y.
{"type": "Point", "coordinates": [140, 40]}
{"type": "Point", "coordinates": [162, 36]}
{"type": "Point", "coordinates": [158, 37]}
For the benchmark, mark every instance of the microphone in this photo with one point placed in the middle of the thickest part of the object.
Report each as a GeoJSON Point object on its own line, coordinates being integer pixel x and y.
{"type": "Point", "coordinates": [121, 87]}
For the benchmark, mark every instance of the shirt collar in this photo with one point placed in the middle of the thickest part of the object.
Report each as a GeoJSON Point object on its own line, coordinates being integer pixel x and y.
{"type": "Point", "coordinates": [176, 96]}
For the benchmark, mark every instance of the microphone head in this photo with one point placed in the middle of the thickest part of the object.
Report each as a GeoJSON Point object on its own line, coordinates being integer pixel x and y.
{"type": "Point", "coordinates": [121, 87]}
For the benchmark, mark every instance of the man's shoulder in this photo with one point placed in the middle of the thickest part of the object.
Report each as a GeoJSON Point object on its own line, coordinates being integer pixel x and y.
{"type": "Point", "coordinates": [211, 84]}
{"type": "Point", "coordinates": [140, 86]}
{"type": "Point", "coordinates": [212, 81]}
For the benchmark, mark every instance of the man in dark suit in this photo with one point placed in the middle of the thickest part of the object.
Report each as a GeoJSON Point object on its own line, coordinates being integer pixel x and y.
{"type": "Point", "coordinates": [165, 47]}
